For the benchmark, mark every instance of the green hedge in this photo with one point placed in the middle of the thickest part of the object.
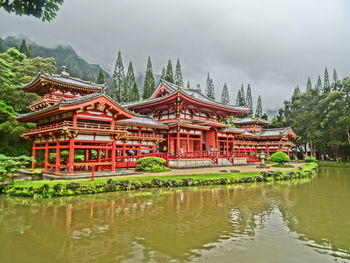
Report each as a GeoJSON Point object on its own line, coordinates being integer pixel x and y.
{"type": "Point", "coordinates": [111, 185]}
{"type": "Point", "coordinates": [310, 159]}
{"type": "Point", "coordinates": [151, 164]}
{"type": "Point", "coordinates": [279, 157]}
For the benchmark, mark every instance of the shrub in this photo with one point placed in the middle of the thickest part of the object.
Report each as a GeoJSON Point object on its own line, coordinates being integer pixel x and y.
{"type": "Point", "coordinates": [279, 157]}
{"type": "Point", "coordinates": [10, 165]}
{"type": "Point", "coordinates": [283, 165]}
{"type": "Point", "coordinates": [151, 164]}
{"type": "Point", "coordinates": [310, 159]}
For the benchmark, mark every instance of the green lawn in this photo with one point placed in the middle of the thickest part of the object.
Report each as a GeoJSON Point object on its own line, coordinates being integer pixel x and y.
{"type": "Point", "coordinates": [334, 164]}
{"type": "Point", "coordinates": [149, 178]}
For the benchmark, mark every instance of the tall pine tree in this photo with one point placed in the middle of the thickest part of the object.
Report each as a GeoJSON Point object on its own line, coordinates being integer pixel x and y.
{"type": "Point", "coordinates": [23, 48]}
{"type": "Point", "coordinates": [178, 75]}
{"type": "Point", "coordinates": [242, 102]}
{"type": "Point", "coordinates": [249, 98]}
{"type": "Point", "coordinates": [296, 92]}
{"type": "Point", "coordinates": [319, 84]}
{"type": "Point", "coordinates": [238, 99]}
{"type": "Point", "coordinates": [1, 46]}
{"type": "Point", "coordinates": [188, 85]}
{"type": "Point", "coordinates": [169, 75]}
{"type": "Point", "coordinates": [134, 94]}
{"type": "Point", "coordinates": [335, 75]}
{"type": "Point", "coordinates": [225, 97]}
{"type": "Point", "coordinates": [128, 83]}
{"type": "Point", "coordinates": [308, 85]}
{"type": "Point", "coordinates": [100, 77]}
{"type": "Point", "coordinates": [163, 73]}
{"type": "Point", "coordinates": [149, 84]}
{"type": "Point", "coordinates": [118, 79]}
{"type": "Point", "coordinates": [326, 83]}
{"type": "Point", "coordinates": [210, 88]}
{"type": "Point", "coordinates": [258, 111]}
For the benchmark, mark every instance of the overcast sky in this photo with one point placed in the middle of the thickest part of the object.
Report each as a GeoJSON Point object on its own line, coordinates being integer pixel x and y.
{"type": "Point", "coordinates": [272, 44]}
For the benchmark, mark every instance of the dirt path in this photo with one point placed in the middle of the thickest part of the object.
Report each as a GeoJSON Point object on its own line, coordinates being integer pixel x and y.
{"type": "Point", "coordinates": [213, 170]}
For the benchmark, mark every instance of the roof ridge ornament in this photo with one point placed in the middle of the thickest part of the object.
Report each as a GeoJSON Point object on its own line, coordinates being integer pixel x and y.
{"type": "Point", "coordinates": [64, 73]}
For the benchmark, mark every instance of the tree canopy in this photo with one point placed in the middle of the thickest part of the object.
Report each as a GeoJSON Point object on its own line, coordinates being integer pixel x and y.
{"type": "Point", "coordinates": [45, 10]}
{"type": "Point", "coordinates": [320, 118]}
{"type": "Point", "coordinates": [15, 70]}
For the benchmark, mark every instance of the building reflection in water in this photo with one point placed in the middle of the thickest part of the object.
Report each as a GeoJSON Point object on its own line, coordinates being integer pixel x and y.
{"type": "Point", "coordinates": [159, 225]}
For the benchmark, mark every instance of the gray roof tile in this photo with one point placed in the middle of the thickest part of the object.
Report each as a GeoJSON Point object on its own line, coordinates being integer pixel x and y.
{"type": "Point", "coordinates": [143, 121]}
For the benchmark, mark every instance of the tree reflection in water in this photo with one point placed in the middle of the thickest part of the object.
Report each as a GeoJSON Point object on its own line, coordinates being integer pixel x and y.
{"type": "Point", "coordinates": [163, 224]}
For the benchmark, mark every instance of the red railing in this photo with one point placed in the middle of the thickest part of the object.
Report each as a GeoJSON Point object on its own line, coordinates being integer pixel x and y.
{"type": "Point", "coordinates": [144, 135]}
{"type": "Point", "coordinates": [48, 97]}
{"type": "Point", "coordinates": [80, 125]}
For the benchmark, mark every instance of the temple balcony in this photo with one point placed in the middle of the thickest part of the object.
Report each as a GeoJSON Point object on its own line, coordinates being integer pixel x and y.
{"type": "Point", "coordinates": [265, 143]}
{"type": "Point", "coordinates": [44, 102]}
{"type": "Point", "coordinates": [143, 136]}
{"type": "Point", "coordinates": [79, 126]}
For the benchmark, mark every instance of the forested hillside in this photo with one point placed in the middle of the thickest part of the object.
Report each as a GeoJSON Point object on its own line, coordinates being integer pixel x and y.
{"type": "Point", "coordinates": [64, 56]}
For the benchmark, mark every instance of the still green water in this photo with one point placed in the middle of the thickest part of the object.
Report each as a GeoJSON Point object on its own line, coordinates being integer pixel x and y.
{"type": "Point", "coordinates": [299, 221]}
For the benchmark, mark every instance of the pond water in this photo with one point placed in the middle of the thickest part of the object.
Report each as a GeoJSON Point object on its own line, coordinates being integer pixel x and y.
{"type": "Point", "coordinates": [292, 221]}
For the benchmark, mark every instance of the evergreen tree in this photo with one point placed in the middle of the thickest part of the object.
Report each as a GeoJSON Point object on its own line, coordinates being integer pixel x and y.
{"type": "Point", "coordinates": [242, 102]}
{"type": "Point", "coordinates": [258, 111]}
{"type": "Point", "coordinates": [199, 88]}
{"type": "Point", "coordinates": [134, 94]}
{"type": "Point", "coordinates": [178, 75]}
{"type": "Point", "coordinates": [163, 73]}
{"type": "Point", "coordinates": [249, 99]}
{"type": "Point", "coordinates": [326, 83]}
{"type": "Point", "coordinates": [30, 51]}
{"type": "Point", "coordinates": [238, 99]}
{"type": "Point", "coordinates": [308, 85]}
{"type": "Point", "coordinates": [1, 46]}
{"type": "Point", "coordinates": [23, 48]}
{"type": "Point", "coordinates": [210, 88]}
{"type": "Point", "coordinates": [296, 91]}
{"type": "Point", "coordinates": [118, 79]}
{"type": "Point", "coordinates": [149, 84]}
{"type": "Point", "coordinates": [188, 85]}
{"type": "Point", "coordinates": [319, 84]}
{"type": "Point", "coordinates": [335, 75]}
{"type": "Point", "coordinates": [225, 97]}
{"type": "Point", "coordinates": [169, 75]}
{"type": "Point", "coordinates": [128, 83]}
{"type": "Point", "coordinates": [100, 77]}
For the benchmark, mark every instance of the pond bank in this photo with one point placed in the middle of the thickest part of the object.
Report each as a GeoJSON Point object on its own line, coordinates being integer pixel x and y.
{"type": "Point", "coordinates": [44, 189]}
{"type": "Point", "coordinates": [334, 164]}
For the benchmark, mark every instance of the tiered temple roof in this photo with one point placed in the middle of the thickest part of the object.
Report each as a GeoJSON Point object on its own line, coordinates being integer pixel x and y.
{"type": "Point", "coordinates": [194, 94]}
{"type": "Point", "coordinates": [64, 80]}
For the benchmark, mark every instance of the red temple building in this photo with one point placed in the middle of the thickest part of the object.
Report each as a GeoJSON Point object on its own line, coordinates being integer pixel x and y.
{"type": "Point", "coordinates": [76, 118]}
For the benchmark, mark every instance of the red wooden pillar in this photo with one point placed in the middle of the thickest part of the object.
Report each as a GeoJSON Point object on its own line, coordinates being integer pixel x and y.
{"type": "Point", "coordinates": [177, 148]}
{"type": "Point", "coordinates": [99, 159]}
{"type": "Point", "coordinates": [86, 155]}
{"type": "Point", "coordinates": [71, 157]}
{"type": "Point", "coordinates": [33, 155]}
{"type": "Point", "coordinates": [188, 143]}
{"type": "Point", "coordinates": [58, 157]}
{"type": "Point", "coordinates": [113, 155]}
{"type": "Point", "coordinates": [46, 156]}
{"type": "Point", "coordinates": [75, 117]}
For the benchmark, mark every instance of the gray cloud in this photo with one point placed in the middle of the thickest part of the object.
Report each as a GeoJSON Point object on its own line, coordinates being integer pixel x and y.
{"type": "Point", "coordinates": [272, 44]}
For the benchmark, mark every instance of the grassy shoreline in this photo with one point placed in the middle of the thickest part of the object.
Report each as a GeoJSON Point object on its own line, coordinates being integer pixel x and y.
{"type": "Point", "coordinates": [45, 189]}
{"type": "Point", "coordinates": [334, 164]}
